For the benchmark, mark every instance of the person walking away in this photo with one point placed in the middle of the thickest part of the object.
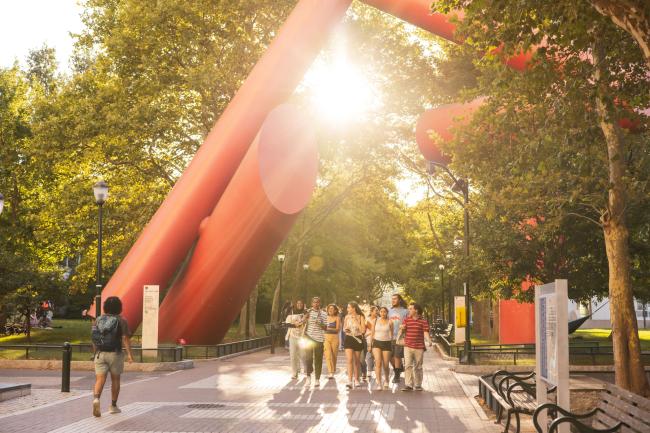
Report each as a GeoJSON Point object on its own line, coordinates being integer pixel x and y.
{"type": "Point", "coordinates": [316, 322]}
{"type": "Point", "coordinates": [367, 360]}
{"type": "Point", "coordinates": [332, 339]}
{"type": "Point", "coordinates": [353, 326]}
{"type": "Point", "coordinates": [295, 323]}
{"type": "Point", "coordinates": [342, 311]}
{"type": "Point", "coordinates": [382, 335]}
{"type": "Point", "coordinates": [416, 330]}
{"type": "Point", "coordinates": [396, 315]}
{"type": "Point", "coordinates": [109, 333]}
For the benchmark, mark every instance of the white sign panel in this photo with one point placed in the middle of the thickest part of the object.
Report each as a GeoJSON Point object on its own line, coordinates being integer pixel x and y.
{"type": "Point", "coordinates": [150, 304]}
{"type": "Point", "coordinates": [552, 346]}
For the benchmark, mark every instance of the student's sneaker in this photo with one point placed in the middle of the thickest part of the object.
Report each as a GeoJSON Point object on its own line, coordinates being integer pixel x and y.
{"type": "Point", "coordinates": [316, 383]}
{"type": "Point", "coordinates": [379, 387]}
{"type": "Point", "coordinates": [396, 377]}
{"type": "Point", "coordinates": [96, 410]}
{"type": "Point", "coordinates": [407, 389]}
{"type": "Point", "coordinates": [419, 388]}
{"type": "Point", "coordinates": [357, 384]}
{"type": "Point", "coordinates": [308, 381]}
{"type": "Point", "coordinates": [295, 376]}
{"type": "Point", "coordinates": [330, 377]}
{"type": "Point", "coordinates": [348, 385]}
{"type": "Point", "coordinates": [114, 409]}
{"type": "Point", "coordinates": [386, 386]}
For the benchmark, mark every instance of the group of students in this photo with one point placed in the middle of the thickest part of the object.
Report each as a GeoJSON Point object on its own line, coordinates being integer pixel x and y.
{"type": "Point", "coordinates": [376, 340]}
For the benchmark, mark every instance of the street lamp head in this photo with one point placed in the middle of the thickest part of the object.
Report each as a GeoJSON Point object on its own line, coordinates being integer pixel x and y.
{"type": "Point", "coordinates": [2, 202]}
{"type": "Point", "coordinates": [441, 267]}
{"type": "Point", "coordinates": [100, 189]}
{"type": "Point", "coordinates": [305, 266]}
{"type": "Point", "coordinates": [281, 257]}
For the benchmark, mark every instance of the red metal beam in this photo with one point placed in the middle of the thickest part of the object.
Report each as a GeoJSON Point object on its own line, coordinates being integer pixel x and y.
{"type": "Point", "coordinates": [238, 241]}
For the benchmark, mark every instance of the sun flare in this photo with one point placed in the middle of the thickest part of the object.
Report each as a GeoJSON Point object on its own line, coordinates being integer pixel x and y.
{"type": "Point", "coordinates": [340, 92]}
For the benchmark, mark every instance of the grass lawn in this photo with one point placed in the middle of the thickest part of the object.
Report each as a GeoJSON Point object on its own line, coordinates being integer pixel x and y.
{"type": "Point", "coordinates": [602, 335]}
{"type": "Point", "coordinates": [78, 331]}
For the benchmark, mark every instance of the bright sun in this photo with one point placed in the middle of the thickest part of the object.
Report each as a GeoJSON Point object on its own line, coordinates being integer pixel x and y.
{"type": "Point", "coordinates": [339, 92]}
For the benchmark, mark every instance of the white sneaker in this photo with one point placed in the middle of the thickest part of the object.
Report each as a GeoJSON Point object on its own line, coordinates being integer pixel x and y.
{"type": "Point", "coordinates": [316, 383]}
{"type": "Point", "coordinates": [386, 386]}
{"type": "Point", "coordinates": [114, 409]}
{"type": "Point", "coordinates": [96, 410]}
{"type": "Point", "coordinates": [308, 381]}
{"type": "Point", "coordinates": [331, 376]}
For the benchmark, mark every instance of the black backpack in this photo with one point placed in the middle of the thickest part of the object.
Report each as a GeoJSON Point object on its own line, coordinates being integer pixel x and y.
{"type": "Point", "coordinates": [107, 334]}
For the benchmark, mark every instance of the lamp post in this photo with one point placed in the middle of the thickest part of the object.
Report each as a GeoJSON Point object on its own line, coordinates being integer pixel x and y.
{"type": "Point", "coordinates": [281, 258]}
{"type": "Point", "coordinates": [305, 267]}
{"type": "Point", "coordinates": [461, 187]}
{"type": "Point", "coordinates": [442, 291]}
{"type": "Point", "coordinates": [100, 190]}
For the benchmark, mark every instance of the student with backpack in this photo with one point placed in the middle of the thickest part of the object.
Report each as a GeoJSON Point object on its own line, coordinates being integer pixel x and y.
{"type": "Point", "coordinates": [109, 333]}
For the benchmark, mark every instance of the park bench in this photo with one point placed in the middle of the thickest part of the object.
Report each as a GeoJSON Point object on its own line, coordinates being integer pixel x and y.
{"type": "Point", "coordinates": [618, 411]}
{"type": "Point", "coordinates": [514, 393]}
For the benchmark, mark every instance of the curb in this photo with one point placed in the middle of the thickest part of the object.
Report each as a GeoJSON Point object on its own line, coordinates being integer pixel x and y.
{"type": "Point", "coordinates": [232, 355]}
{"type": "Point", "coordinates": [487, 369]}
{"type": "Point", "coordinates": [37, 364]}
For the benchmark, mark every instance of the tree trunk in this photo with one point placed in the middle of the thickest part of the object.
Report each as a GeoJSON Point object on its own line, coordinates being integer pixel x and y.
{"type": "Point", "coordinates": [629, 370]}
{"type": "Point", "coordinates": [252, 321]}
{"type": "Point", "coordinates": [630, 15]}
{"type": "Point", "coordinates": [494, 333]}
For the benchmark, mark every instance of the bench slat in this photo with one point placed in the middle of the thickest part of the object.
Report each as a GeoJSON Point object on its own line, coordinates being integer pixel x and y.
{"type": "Point", "coordinates": [639, 401]}
{"type": "Point", "coordinates": [611, 406]}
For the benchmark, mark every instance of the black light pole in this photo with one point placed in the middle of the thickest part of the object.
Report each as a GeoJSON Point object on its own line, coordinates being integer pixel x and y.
{"type": "Point", "coordinates": [100, 190]}
{"type": "Point", "coordinates": [305, 267]}
{"type": "Point", "coordinates": [442, 291]}
{"type": "Point", "coordinates": [461, 187]}
{"type": "Point", "coordinates": [281, 258]}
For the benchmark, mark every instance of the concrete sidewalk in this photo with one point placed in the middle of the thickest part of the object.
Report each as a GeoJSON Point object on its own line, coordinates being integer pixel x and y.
{"type": "Point", "coordinates": [254, 393]}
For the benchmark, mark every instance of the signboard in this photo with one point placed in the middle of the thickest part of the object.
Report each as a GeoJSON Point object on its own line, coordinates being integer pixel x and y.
{"type": "Point", "coordinates": [552, 345]}
{"type": "Point", "coordinates": [150, 304]}
{"type": "Point", "coordinates": [460, 319]}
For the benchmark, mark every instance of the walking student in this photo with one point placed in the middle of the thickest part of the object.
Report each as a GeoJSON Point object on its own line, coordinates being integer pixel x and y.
{"type": "Point", "coordinates": [416, 330]}
{"type": "Point", "coordinates": [367, 360]}
{"type": "Point", "coordinates": [382, 335]}
{"type": "Point", "coordinates": [396, 315]}
{"type": "Point", "coordinates": [109, 333]}
{"type": "Point", "coordinates": [354, 326]}
{"type": "Point", "coordinates": [316, 322]}
{"type": "Point", "coordinates": [332, 339]}
{"type": "Point", "coordinates": [295, 322]}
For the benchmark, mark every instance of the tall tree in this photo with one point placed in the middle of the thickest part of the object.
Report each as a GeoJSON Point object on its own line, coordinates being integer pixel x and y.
{"type": "Point", "coordinates": [556, 131]}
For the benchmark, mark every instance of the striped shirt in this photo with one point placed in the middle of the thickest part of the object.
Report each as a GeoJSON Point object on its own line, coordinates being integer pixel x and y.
{"type": "Point", "coordinates": [415, 329]}
{"type": "Point", "coordinates": [315, 322]}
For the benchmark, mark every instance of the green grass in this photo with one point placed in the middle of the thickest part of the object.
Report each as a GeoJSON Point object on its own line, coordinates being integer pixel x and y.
{"type": "Point", "coordinates": [602, 336]}
{"type": "Point", "coordinates": [78, 331]}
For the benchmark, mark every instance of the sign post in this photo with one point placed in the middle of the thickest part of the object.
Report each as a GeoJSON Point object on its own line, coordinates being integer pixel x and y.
{"type": "Point", "coordinates": [460, 319]}
{"type": "Point", "coordinates": [552, 346]}
{"type": "Point", "coordinates": [150, 306]}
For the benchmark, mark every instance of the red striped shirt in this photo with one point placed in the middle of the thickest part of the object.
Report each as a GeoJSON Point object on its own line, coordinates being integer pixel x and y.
{"type": "Point", "coordinates": [415, 329]}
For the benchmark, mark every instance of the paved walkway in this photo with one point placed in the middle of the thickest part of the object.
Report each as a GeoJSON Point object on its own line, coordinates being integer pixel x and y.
{"type": "Point", "coordinates": [253, 393]}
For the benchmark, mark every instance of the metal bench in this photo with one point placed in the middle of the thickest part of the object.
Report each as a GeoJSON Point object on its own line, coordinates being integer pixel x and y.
{"type": "Point", "coordinates": [513, 393]}
{"type": "Point", "coordinates": [618, 411]}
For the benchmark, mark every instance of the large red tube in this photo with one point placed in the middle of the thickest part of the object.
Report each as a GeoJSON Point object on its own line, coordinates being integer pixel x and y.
{"type": "Point", "coordinates": [273, 183]}
{"type": "Point", "coordinates": [166, 240]}
{"type": "Point", "coordinates": [418, 13]}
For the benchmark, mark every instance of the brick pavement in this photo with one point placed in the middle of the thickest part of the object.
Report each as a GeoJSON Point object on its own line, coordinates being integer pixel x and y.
{"type": "Point", "coordinates": [254, 393]}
